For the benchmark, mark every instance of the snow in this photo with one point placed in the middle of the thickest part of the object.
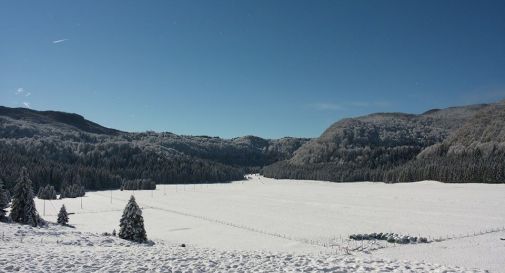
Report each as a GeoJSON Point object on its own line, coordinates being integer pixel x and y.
{"type": "Point", "coordinates": [60, 249]}
{"type": "Point", "coordinates": [240, 223]}
{"type": "Point", "coordinates": [485, 251]}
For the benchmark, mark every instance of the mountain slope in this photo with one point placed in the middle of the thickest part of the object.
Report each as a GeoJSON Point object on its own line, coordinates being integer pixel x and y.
{"type": "Point", "coordinates": [370, 147]}
{"type": "Point", "coordinates": [473, 153]}
{"type": "Point", "coordinates": [484, 132]}
{"type": "Point", "coordinates": [63, 149]}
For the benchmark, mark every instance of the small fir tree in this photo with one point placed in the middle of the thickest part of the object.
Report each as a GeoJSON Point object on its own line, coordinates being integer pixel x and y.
{"type": "Point", "coordinates": [4, 201]}
{"type": "Point", "coordinates": [132, 223]}
{"type": "Point", "coordinates": [63, 216]}
{"type": "Point", "coordinates": [23, 207]}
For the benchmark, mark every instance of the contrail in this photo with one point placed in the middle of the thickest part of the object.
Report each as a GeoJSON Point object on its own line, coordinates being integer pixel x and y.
{"type": "Point", "coordinates": [59, 41]}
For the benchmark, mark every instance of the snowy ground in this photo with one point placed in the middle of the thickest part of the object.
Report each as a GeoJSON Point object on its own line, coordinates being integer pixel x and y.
{"type": "Point", "coordinates": [310, 219]}
{"type": "Point", "coordinates": [484, 251]}
{"type": "Point", "coordinates": [59, 249]}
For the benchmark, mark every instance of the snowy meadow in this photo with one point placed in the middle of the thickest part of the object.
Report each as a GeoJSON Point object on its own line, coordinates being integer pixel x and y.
{"type": "Point", "coordinates": [464, 222]}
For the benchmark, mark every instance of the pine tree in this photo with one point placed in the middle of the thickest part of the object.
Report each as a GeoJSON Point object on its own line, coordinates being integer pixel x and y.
{"type": "Point", "coordinates": [132, 223]}
{"type": "Point", "coordinates": [4, 201]}
{"type": "Point", "coordinates": [23, 207]}
{"type": "Point", "coordinates": [63, 216]}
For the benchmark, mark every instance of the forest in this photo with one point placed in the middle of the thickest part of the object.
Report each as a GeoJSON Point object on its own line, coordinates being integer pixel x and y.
{"type": "Point", "coordinates": [62, 149]}
{"type": "Point", "coordinates": [454, 145]}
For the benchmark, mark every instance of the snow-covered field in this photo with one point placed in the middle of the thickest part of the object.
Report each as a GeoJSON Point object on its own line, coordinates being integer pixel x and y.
{"type": "Point", "coordinates": [274, 225]}
{"type": "Point", "coordinates": [59, 249]}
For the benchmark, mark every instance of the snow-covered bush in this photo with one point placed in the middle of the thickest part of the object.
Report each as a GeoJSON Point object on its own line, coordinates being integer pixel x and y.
{"type": "Point", "coordinates": [389, 237]}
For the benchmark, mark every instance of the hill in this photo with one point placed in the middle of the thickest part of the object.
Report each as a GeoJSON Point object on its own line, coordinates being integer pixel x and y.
{"type": "Point", "coordinates": [473, 153]}
{"type": "Point", "coordinates": [61, 120]}
{"type": "Point", "coordinates": [397, 147]}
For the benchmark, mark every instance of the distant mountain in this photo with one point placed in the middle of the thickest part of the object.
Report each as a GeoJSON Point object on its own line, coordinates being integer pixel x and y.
{"type": "Point", "coordinates": [63, 149]}
{"type": "Point", "coordinates": [402, 147]}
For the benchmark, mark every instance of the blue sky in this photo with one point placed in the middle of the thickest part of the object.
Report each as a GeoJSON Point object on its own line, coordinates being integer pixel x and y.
{"type": "Point", "coordinates": [233, 68]}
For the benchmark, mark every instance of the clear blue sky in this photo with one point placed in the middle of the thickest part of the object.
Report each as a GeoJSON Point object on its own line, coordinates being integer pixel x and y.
{"type": "Point", "coordinates": [233, 68]}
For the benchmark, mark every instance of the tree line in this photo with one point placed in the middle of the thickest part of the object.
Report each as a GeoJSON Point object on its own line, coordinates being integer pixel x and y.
{"type": "Point", "coordinates": [449, 169]}
{"type": "Point", "coordinates": [106, 166]}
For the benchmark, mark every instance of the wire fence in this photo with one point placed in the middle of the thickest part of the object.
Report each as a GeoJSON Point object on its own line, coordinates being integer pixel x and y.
{"type": "Point", "coordinates": [350, 245]}
{"type": "Point", "coordinates": [336, 244]}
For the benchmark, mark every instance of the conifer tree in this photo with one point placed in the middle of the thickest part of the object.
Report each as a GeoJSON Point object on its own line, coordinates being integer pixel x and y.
{"type": "Point", "coordinates": [23, 207]}
{"type": "Point", "coordinates": [63, 216]}
{"type": "Point", "coordinates": [4, 201]}
{"type": "Point", "coordinates": [132, 223]}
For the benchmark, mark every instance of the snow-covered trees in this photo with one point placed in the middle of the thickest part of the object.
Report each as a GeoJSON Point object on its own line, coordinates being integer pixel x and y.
{"type": "Point", "coordinates": [63, 216]}
{"type": "Point", "coordinates": [139, 184]}
{"type": "Point", "coordinates": [4, 201]}
{"type": "Point", "coordinates": [23, 207]}
{"type": "Point", "coordinates": [132, 223]}
{"type": "Point", "coordinates": [47, 192]}
{"type": "Point", "coordinates": [72, 191]}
